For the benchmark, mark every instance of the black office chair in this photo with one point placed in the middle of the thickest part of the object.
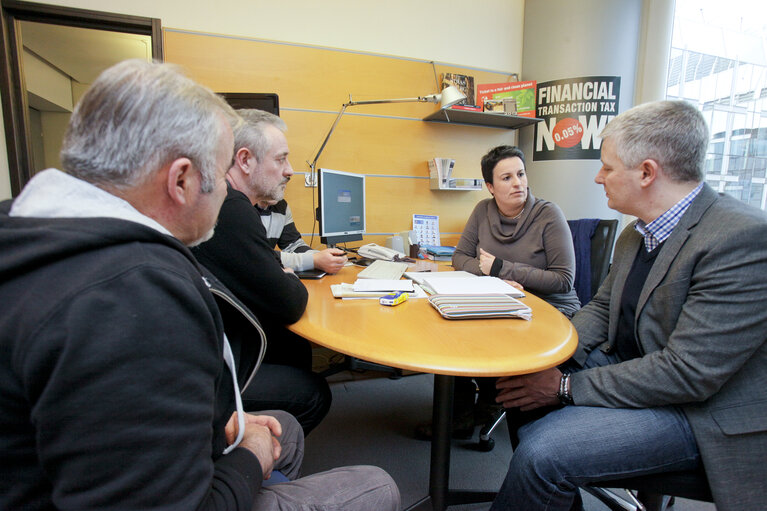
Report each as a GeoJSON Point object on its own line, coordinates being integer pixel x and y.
{"type": "Point", "coordinates": [602, 241]}
{"type": "Point", "coordinates": [601, 252]}
{"type": "Point", "coordinates": [653, 492]}
{"type": "Point", "coordinates": [359, 365]}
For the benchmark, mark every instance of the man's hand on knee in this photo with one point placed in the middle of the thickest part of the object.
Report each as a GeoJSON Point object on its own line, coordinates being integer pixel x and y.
{"type": "Point", "coordinates": [529, 391]}
{"type": "Point", "coordinates": [265, 420]}
{"type": "Point", "coordinates": [260, 438]}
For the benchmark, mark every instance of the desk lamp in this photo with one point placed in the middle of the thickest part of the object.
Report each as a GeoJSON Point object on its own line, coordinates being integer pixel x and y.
{"type": "Point", "coordinates": [448, 97]}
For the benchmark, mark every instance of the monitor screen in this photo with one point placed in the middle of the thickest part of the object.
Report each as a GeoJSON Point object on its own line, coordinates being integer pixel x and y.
{"type": "Point", "coordinates": [268, 102]}
{"type": "Point", "coordinates": [341, 211]}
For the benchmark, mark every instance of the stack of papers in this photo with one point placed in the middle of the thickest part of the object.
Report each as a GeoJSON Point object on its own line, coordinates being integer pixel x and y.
{"type": "Point", "coordinates": [451, 283]}
{"type": "Point", "coordinates": [483, 306]}
{"type": "Point", "coordinates": [387, 285]}
{"type": "Point", "coordinates": [347, 291]}
{"type": "Point", "coordinates": [419, 277]}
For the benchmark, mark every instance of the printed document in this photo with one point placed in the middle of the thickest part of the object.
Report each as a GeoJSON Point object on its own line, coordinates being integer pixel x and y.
{"type": "Point", "coordinates": [383, 285]}
{"type": "Point", "coordinates": [478, 285]}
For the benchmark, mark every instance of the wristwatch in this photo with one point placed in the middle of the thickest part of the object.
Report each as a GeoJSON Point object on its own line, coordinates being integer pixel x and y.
{"type": "Point", "coordinates": [564, 395]}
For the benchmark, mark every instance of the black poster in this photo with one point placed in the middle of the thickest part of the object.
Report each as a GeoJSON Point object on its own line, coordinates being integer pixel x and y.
{"type": "Point", "coordinates": [574, 112]}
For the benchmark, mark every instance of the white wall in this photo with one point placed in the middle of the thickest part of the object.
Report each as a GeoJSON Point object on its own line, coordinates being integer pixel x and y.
{"type": "Point", "coordinates": [654, 50]}
{"type": "Point", "coordinates": [46, 82]}
{"type": "Point", "coordinates": [565, 39]}
{"type": "Point", "coordinates": [489, 37]}
{"type": "Point", "coordinates": [54, 126]}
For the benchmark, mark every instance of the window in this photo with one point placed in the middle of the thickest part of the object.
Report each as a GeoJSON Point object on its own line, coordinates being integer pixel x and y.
{"type": "Point", "coordinates": [718, 62]}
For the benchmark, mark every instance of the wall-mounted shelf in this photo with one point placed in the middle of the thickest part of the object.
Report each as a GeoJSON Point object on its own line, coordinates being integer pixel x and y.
{"type": "Point", "coordinates": [490, 119]}
{"type": "Point", "coordinates": [458, 184]}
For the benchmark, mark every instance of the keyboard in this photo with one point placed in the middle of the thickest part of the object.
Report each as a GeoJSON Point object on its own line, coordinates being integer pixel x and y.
{"type": "Point", "coordinates": [384, 270]}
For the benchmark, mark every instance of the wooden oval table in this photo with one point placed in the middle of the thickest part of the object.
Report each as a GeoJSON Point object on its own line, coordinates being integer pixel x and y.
{"type": "Point", "coordinates": [414, 336]}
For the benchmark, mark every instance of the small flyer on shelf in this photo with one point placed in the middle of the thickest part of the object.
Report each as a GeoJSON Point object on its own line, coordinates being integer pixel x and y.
{"type": "Point", "coordinates": [464, 83]}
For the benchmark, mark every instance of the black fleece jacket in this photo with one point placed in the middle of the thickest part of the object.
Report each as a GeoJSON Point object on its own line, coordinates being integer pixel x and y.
{"type": "Point", "coordinates": [113, 391]}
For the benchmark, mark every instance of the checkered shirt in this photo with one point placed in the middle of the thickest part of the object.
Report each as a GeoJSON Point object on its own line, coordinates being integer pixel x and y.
{"type": "Point", "coordinates": [657, 231]}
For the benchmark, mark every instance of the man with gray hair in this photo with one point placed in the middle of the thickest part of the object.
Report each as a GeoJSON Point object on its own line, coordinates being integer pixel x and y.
{"type": "Point", "coordinates": [118, 385]}
{"type": "Point", "coordinates": [270, 182]}
{"type": "Point", "coordinates": [244, 259]}
{"type": "Point", "coordinates": [671, 364]}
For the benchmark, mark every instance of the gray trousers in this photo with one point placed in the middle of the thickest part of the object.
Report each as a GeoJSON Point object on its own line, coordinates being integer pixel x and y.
{"type": "Point", "coordinates": [354, 488]}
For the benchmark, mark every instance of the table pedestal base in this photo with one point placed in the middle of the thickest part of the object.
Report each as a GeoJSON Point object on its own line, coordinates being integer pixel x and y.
{"type": "Point", "coordinates": [440, 494]}
{"type": "Point", "coordinates": [453, 498]}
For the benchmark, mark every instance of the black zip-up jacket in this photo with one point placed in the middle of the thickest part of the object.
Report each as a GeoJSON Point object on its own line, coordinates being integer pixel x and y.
{"type": "Point", "coordinates": [113, 390]}
{"type": "Point", "coordinates": [242, 258]}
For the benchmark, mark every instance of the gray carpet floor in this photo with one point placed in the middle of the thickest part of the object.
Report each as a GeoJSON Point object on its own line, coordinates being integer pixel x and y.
{"type": "Point", "coordinates": [371, 422]}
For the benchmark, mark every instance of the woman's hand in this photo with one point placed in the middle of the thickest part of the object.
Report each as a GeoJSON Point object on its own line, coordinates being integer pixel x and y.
{"type": "Point", "coordinates": [486, 260]}
{"type": "Point", "coordinates": [515, 284]}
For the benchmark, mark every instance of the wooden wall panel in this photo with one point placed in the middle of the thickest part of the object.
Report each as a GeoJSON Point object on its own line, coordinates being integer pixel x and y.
{"type": "Point", "coordinates": [388, 143]}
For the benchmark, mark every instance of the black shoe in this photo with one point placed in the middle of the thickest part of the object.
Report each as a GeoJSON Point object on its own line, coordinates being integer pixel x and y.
{"type": "Point", "coordinates": [463, 428]}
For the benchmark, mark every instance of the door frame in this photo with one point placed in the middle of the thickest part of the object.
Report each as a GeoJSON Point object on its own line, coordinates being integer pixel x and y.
{"type": "Point", "coordinates": [12, 85]}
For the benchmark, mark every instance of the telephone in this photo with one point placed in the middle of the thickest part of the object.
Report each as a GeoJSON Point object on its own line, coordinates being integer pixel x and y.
{"type": "Point", "coordinates": [373, 251]}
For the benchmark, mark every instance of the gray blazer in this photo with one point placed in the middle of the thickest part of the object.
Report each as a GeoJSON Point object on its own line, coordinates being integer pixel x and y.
{"type": "Point", "coordinates": [701, 325]}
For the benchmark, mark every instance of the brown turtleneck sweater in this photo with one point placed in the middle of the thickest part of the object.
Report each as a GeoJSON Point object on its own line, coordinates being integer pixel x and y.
{"type": "Point", "coordinates": [536, 249]}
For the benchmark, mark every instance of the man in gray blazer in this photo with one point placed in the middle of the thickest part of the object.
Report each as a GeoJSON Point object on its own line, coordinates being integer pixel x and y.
{"type": "Point", "coordinates": [671, 368]}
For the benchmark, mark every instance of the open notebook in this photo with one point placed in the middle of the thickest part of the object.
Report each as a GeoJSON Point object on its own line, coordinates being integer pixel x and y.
{"type": "Point", "coordinates": [461, 282]}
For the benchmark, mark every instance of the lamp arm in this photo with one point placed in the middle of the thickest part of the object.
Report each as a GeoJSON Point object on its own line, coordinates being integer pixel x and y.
{"type": "Point", "coordinates": [310, 179]}
{"type": "Point", "coordinates": [432, 98]}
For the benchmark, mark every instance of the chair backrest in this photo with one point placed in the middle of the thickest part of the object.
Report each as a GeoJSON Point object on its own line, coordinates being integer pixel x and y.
{"type": "Point", "coordinates": [601, 252]}
{"type": "Point", "coordinates": [593, 243]}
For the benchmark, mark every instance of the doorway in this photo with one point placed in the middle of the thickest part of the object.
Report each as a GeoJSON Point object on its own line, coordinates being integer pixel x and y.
{"type": "Point", "coordinates": [50, 56]}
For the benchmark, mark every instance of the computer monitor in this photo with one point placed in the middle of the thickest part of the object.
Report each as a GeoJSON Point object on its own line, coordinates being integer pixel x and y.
{"type": "Point", "coordinates": [341, 211]}
{"type": "Point", "coordinates": [268, 102]}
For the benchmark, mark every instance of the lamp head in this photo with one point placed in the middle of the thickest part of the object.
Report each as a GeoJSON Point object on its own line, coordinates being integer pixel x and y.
{"type": "Point", "coordinates": [448, 97]}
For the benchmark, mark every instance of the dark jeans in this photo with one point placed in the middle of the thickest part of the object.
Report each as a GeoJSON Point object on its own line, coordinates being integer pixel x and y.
{"type": "Point", "coordinates": [283, 347]}
{"type": "Point", "coordinates": [302, 393]}
{"type": "Point", "coordinates": [572, 446]}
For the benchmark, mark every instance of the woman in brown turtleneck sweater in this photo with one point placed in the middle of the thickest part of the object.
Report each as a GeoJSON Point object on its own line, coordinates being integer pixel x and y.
{"type": "Point", "coordinates": [519, 238]}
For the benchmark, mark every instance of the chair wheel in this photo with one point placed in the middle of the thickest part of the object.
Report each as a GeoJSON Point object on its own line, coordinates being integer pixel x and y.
{"type": "Point", "coordinates": [486, 445]}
